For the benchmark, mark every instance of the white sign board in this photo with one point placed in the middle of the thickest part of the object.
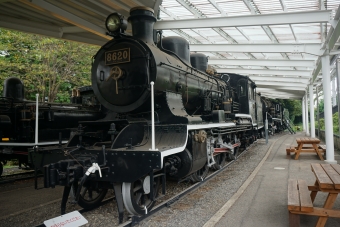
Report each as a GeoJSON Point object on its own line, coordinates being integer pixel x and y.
{"type": "Point", "coordinates": [73, 219]}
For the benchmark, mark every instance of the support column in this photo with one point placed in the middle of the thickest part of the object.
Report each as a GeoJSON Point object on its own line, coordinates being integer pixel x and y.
{"type": "Point", "coordinates": [303, 114]}
{"type": "Point", "coordinates": [333, 93]}
{"type": "Point", "coordinates": [317, 108]}
{"type": "Point", "coordinates": [306, 114]}
{"type": "Point", "coordinates": [326, 82]}
{"type": "Point", "coordinates": [338, 90]}
{"type": "Point", "coordinates": [311, 111]}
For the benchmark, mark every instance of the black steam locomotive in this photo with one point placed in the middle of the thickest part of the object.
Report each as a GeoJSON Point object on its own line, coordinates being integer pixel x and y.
{"type": "Point", "coordinates": [18, 121]}
{"type": "Point", "coordinates": [274, 112]}
{"type": "Point", "coordinates": [173, 119]}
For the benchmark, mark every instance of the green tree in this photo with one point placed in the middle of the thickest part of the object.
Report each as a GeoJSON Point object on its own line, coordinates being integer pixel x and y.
{"type": "Point", "coordinates": [294, 107]}
{"type": "Point", "coordinates": [47, 66]}
{"type": "Point", "coordinates": [321, 105]}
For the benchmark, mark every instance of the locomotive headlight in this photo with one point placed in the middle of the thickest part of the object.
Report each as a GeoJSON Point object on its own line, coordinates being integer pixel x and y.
{"type": "Point", "coordinates": [115, 22]}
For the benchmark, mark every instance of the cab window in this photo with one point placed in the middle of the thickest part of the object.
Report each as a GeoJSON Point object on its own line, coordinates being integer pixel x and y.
{"type": "Point", "coordinates": [242, 88]}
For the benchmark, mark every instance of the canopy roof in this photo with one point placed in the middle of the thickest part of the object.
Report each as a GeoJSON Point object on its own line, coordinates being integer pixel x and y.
{"type": "Point", "coordinates": [277, 43]}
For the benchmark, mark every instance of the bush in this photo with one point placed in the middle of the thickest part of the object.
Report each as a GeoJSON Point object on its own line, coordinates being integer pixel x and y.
{"type": "Point", "coordinates": [335, 123]}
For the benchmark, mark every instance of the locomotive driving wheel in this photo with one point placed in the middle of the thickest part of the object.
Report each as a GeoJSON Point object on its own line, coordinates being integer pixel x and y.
{"type": "Point", "coordinates": [234, 154]}
{"type": "Point", "coordinates": [220, 161]}
{"type": "Point", "coordinates": [91, 195]}
{"type": "Point", "coordinates": [137, 197]}
{"type": "Point", "coordinates": [200, 174]}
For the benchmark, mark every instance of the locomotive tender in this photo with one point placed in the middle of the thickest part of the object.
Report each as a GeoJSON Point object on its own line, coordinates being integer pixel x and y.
{"type": "Point", "coordinates": [200, 120]}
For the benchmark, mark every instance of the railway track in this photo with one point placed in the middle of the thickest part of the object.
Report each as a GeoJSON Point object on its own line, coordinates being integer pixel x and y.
{"type": "Point", "coordinates": [10, 178]}
{"type": "Point", "coordinates": [136, 219]}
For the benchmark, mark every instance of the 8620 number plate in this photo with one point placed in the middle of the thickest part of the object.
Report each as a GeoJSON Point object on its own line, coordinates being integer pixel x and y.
{"type": "Point", "coordinates": [117, 56]}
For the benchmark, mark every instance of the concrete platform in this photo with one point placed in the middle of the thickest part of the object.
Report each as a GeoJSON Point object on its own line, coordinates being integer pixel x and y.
{"type": "Point", "coordinates": [264, 202]}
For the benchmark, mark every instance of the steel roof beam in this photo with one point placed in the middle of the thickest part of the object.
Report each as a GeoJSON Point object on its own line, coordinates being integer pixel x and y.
{"type": "Point", "coordinates": [254, 10]}
{"type": "Point", "coordinates": [331, 39]}
{"type": "Point", "coordinates": [197, 13]}
{"type": "Point", "coordinates": [281, 95]}
{"type": "Point", "coordinates": [49, 30]}
{"type": "Point", "coordinates": [317, 16]}
{"type": "Point", "coordinates": [67, 17]}
{"type": "Point", "coordinates": [263, 62]}
{"type": "Point", "coordinates": [279, 79]}
{"type": "Point", "coordinates": [283, 84]}
{"type": "Point", "coordinates": [302, 73]}
{"type": "Point", "coordinates": [278, 91]}
{"type": "Point", "coordinates": [280, 87]}
{"type": "Point", "coordinates": [273, 92]}
{"type": "Point", "coordinates": [310, 48]}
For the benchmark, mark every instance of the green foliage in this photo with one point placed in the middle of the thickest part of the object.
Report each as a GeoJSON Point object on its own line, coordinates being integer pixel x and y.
{"type": "Point", "coordinates": [335, 123]}
{"type": "Point", "coordinates": [294, 107]}
{"type": "Point", "coordinates": [321, 106]}
{"type": "Point", "coordinates": [47, 66]}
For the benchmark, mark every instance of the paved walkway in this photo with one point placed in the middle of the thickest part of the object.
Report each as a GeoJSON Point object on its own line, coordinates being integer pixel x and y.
{"type": "Point", "coordinates": [264, 202]}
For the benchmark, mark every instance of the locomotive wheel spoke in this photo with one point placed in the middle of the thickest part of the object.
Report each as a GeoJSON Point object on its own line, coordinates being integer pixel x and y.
{"type": "Point", "coordinates": [135, 199]}
{"type": "Point", "coordinates": [84, 192]}
{"type": "Point", "coordinates": [139, 187]}
{"type": "Point", "coordinates": [200, 174]}
{"type": "Point", "coordinates": [91, 195]}
{"type": "Point", "coordinates": [220, 161]}
{"type": "Point", "coordinates": [139, 197]}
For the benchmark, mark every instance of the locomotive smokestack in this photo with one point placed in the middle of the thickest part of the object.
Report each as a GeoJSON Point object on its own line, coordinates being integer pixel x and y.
{"type": "Point", "coordinates": [142, 20]}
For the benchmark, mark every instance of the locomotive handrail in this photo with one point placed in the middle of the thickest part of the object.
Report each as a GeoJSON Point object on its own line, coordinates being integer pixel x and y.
{"type": "Point", "coordinates": [36, 119]}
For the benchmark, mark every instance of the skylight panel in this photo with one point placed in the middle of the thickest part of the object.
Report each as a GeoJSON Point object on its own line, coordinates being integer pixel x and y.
{"type": "Point", "coordinates": [332, 5]}
{"type": "Point", "coordinates": [273, 55]}
{"type": "Point", "coordinates": [214, 15]}
{"type": "Point", "coordinates": [167, 33]}
{"type": "Point", "coordinates": [180, 11]}
{"type": "Point", "coordinates": [164, 16]}
{"type": "Point", "coordinates": [256, 34]}
{"type": "Point", "coordinates": [234, 8]}
{"type": "Point", "coordinates": [235, 34]}
{"type": "Point", "coordinates": [301, 5]}
{"type": "Point", "coordinates": [309, 56]}
{"type": "Point", "coordinates": [309, 33]}
{"type": "Point", "coordinates": [240, 55]}
{"type": "Point", "coordinates": [170, 3]}
{"type": "Point", "coordinates": [205, 7]}
{"type": "Point", "coordinates": [269, 6]}
{"type": "Point", "coordinates": [259, 55]}
{"type": "Point", "coordinates": [283, 33]}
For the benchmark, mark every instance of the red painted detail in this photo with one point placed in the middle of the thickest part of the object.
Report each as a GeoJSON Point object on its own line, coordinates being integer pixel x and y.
{"type": "Point", "coordinates": [220, 150]}
{"type": "Point", "coordinates": [23, 153]}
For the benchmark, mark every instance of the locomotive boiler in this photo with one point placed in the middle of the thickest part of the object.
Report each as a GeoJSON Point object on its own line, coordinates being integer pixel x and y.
{"type": "Point", "coordinates": [197, 122]}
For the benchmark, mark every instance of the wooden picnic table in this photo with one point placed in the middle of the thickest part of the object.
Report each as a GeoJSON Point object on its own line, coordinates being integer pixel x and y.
{"type": "Point", "coordinates": [300, 202]}
{"type": "Point", "coordinates": [328, 181]}
{"type": "Point", "coordinates": [308, 141]}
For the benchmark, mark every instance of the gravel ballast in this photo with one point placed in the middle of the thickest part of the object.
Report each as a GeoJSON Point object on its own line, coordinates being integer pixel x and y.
{"type": "Point", "coordinates": [193, 210]}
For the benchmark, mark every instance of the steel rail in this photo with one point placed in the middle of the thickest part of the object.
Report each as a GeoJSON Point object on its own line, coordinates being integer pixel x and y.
{"type": "Point", "coordinates": [136, 219]}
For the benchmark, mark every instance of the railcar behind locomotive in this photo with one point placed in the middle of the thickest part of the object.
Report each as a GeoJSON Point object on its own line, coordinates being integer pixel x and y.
{"type": "Point", "coordinates": [274, 111]}
{"type": "Point", "coordinates": [17, 120]}
{"type": "Point", "coordinates": [198, 122]}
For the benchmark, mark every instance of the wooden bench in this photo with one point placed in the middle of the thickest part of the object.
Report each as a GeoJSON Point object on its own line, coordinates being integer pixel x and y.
{"type": "Point", "coordinates": [299, 201]}
{"type": "Point", "coordinates": [290, 149]}
{"type": "Point", "coordinates": [323, 148]}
